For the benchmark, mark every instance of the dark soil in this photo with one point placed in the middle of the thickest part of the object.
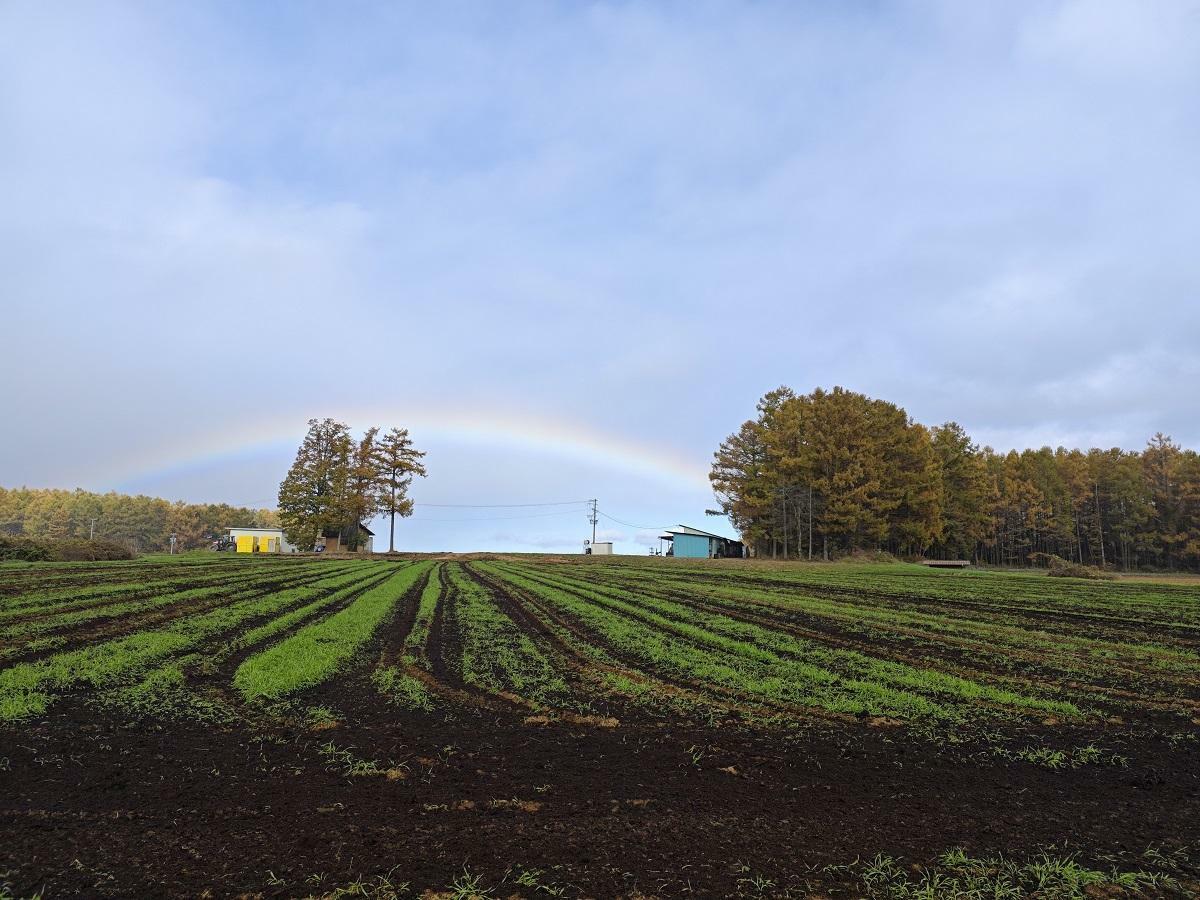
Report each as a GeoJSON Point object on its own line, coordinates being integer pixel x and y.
{"type": "Point", "coordinates": [95, 803]}
{"type": "Point", "coordinates": [93, 806]}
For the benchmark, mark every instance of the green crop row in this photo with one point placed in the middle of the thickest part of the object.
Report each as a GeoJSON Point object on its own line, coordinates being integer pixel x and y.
{"type": "Point", "coordinates": [496, 655]}
{"type": "Point", "coordinates": [707, 659]}
{"type": "Point", "coordinates": [316, 652]}
{"type": "Point", "coordinates": [756, 641]}
{"type": "Point", "coordinates": [417, 639]}
{"type": "Point", "coordinates": [165, 691]}
{"type": "Point", "coordinates": [223, 593]}
{"type": "Point", "coordinates": [61, 598]}
{"type": "Point", "coordinates": [1067, 654]}
{"type": "Point", "coordinates": [287, 620]}
{"type": "Point", "coordinates": [970, 595]}
{"type": "Point", "coordinates": [28, 688]}
{"type": "Point", "coordinates": [231, 588]}
{"type": "Point", "coordinates": [989, 640]}
{"type": "Point", "coordinates": [402, 689]}
{"type": "Point", "coordinates": [1124, 602]}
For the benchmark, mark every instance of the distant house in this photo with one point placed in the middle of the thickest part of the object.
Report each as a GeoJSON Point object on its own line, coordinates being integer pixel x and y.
{"type": "Point", "coordinates": [260, 540]}
{"type": "Point", "coordinates": [331, 540]}
{"type": "Point", "coordinates": [692, 543]}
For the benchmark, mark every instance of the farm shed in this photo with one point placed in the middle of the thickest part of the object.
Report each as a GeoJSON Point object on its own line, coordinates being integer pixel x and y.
{"type": "Point", "coordinates": [331, 540]}
{"type": "Point", "coordinates": [602, 548]}
{"type": "Point", "coordinates": [260, 540]}
{"type": "Point", "coordinates": [692, 543]}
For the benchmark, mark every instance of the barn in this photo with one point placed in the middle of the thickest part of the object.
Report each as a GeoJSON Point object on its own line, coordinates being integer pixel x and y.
{"type": "Point", "coordinates": [331, 540]}
{"type": "Point", "coordinates": [692, 543]}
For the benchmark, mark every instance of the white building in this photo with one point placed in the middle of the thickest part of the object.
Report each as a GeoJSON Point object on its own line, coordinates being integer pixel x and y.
{"type": "Point", "coordinates": [260, 540]}
{"type": "Point", "coordinates": [602, 548]}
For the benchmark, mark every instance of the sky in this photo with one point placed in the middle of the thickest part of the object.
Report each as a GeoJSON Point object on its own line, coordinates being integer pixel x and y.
{"type": "Point", "coordinates": [569, 245]}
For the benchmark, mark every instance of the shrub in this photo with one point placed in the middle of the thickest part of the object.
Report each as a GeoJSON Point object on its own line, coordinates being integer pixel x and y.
{"type": "Point", "coordinates": [80, 549]}
{"type": "Point", "coordinates": [867, 556]}
{"type": "Point", "coordinates": [1061, 568]}
{"type": "Point", "coordinates": [28, 549]}
{"type": "Point", "coordinates": [19, 548]}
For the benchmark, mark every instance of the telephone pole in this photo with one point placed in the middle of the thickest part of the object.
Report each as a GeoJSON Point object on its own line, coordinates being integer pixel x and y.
{"type": "Point", "coordinates": [592, 516]}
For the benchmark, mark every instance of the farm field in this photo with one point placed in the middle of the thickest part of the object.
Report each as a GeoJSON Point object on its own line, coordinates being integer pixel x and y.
{"type": "Point", "coordinates": [538, 726]}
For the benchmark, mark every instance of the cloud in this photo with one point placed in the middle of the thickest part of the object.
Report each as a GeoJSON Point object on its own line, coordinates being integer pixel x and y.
{"type": "Point", "coordinates": [622, 215]}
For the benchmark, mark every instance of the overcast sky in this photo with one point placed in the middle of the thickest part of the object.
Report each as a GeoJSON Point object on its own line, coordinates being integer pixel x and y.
{"type": "Point", "coordinates": [570, 245]}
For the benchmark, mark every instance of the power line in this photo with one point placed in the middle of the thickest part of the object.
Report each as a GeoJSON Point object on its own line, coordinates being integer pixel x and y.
{"type": "Point", "coordinates": [569, 512]}
{"type": "Point", "coordinates": [631, 525]}
{"type": "Point", "coordinates": [502, 505]}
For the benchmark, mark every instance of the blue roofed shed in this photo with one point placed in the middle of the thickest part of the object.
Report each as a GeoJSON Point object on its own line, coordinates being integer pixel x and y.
{"type": "Point", "coordinates": [692, 543]}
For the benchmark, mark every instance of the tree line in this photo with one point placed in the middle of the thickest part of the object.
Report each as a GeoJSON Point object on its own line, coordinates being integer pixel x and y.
{"type": "Point", "coordinates": [338, 481]}
{"type": "Point", "coordinates": [834, 472]}
{"type": "Point", "coordinates": [138, 522]}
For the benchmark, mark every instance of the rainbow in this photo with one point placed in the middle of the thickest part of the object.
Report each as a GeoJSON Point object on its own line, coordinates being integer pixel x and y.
{"type": "Point", "coordinates": [279, 432]}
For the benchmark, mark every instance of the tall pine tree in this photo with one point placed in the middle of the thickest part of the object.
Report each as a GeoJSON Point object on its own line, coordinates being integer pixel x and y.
{"type": "Point", "coordinates": [397, 461]}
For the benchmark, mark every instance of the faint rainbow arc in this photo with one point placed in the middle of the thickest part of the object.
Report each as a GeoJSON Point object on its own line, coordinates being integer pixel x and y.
{"type": "Point", "coordinates": [553, 437]}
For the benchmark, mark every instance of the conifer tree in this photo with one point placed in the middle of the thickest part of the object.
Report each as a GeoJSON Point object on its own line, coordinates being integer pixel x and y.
{"type": "Point", "coordinates": [359, 498]}
{"type": "Point", "coordinates": [968, 493]}
{"type": "Point", "coordinates": [311, 497]}
{"type": "Point", "coordinates": [396, 463]}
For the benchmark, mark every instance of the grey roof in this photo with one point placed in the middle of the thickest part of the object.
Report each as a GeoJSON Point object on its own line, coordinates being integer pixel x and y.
{"type": "Point", "coordinates": [687, 529]}
{"type": "Point", "coordinates": [334, 532]}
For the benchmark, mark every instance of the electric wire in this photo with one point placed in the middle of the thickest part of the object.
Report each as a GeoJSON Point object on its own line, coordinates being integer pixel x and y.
{"type": "Point", "coordinates": [569, 512]}
{"type": "Point", "coordinates": [502, 505]}
{"type": "Point", "coordinates": [631, 525]}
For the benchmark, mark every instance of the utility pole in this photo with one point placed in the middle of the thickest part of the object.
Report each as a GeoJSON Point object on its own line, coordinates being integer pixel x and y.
{"type": "Point", "coordinates": [592, 516]}
{"type": "Point", "coordinates": [92, 532]}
